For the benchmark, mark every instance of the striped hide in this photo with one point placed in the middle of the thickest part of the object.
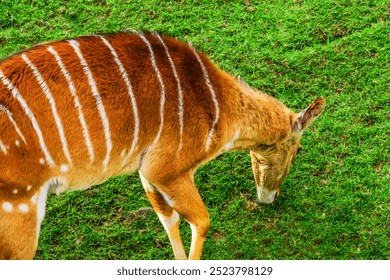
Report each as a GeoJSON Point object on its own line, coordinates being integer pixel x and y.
{"type": "Point", "coordinates": [76, 112]}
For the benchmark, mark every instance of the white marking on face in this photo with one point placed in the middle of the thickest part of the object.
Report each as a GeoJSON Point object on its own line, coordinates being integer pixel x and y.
{"type": "Point", "coordinates": [64, 168]}
{"type": "Point", "coordinates": [214, 97]}
{"type": "Point", "coordinates": [41, 161]}
{"type": "Point", "coordinates": [9, 115]}
{"type": "Point", "coordinates": [266, 196]}
{"type": "Point", "coordinates": [262, 168]}
{"type": "Point", "coordinates": [180, 93]}
{"type": "Point", "coordinates": [15, 93]}
{"type": "Point", "coordinates": [77, 103]}
{"type": "Point", "coordinates": [15, 191]}
{"type": "Point", "coordinates": [131, 94]}
{"type": "Point", "coordinates": [162, 88]}
{"type": "Point", "coordinates": [3, 147]}
{"type": "Point", "coordinates": [98, 99]}
{"type": "Point", "coordinates": [52, 103]}
{"type": "Point", "coordinates": [7, 207]}
{"type": "Point", "coordinates": [23, 208]}
{"type": "Point", "coordinates": [298, 127]}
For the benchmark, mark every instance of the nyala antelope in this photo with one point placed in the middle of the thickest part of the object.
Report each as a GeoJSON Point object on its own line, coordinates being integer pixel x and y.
{"type": "Point", "coordinates": [74, 113]}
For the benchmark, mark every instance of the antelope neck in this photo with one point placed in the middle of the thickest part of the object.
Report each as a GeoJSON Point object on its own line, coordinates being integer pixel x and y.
{"type": "Point", "coordinates": [262, 120]}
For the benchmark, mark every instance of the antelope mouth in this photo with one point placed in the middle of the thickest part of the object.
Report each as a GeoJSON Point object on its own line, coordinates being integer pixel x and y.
{"type": "Point", "coordinates": [266, 196]}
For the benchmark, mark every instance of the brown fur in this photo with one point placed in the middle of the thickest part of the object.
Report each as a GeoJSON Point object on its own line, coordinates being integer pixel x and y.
{"type": "Point", "coordinates": [261, 120]}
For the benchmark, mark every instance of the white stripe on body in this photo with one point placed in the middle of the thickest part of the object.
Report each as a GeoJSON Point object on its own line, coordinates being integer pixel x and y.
{"type": "Point", "coordinates": [52, 103]}
{"type": "Point", "coordinates": [214, 97]}
{"type": "Point", "coordinates": [230, 144]}
{"type": "Point", "coordinates": [31, 116]}
{"type": "Point", "coordinates": [162, 100]}
{"type": "Point", "coordinates": [9, 115]}
{"type": "Point", "coordinates": [98, 99]}
{"type": "Point", "coordinates": [77, 103]}
{"type": "Point", "coordinates": [180, 92]}
{"type": "Point", "coordinates": [132, 98]}
{"type": "Point", "coordinates": [3, 147]}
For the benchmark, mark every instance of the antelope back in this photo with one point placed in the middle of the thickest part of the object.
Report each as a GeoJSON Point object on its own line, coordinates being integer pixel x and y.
{"type": "Point", "coordinates": [95, 104]}
{"type": "Point", "coordinates": [74, 113]}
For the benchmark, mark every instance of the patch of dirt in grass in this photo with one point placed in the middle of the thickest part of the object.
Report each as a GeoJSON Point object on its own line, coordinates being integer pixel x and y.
{"type": "Point", "coordinates": [138, 214]}
{"type": "Point", "coordinates": [3, 42]}
{"type": "Point", "coordinates": [217, 235]}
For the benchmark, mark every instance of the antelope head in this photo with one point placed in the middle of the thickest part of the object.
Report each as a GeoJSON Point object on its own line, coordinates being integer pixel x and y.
{"type": "Point", "coordinates": [270, 163]}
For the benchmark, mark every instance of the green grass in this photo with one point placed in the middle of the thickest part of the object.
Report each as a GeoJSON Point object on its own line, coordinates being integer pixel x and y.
{"type": "Point", "coordinates": [335, 203]}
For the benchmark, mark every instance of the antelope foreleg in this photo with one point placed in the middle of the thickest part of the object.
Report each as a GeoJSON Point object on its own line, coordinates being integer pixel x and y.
{"type": "Point", "coordinates": [169, 218]}
{"type": "Point", "coordinates": [18, 234]}
{"type": "Point", "coordinates": [184, 198]}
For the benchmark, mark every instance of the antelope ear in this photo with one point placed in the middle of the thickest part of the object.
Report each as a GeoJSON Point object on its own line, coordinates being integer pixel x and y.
{"type": "Point", "coordinates": [309, 115]}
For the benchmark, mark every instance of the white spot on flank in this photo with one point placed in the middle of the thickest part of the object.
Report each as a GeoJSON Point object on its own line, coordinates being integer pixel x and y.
{"type": "Point", "coordinates": [52, 103]}
{"type": "Point", "coordinates": [98, 99]}
{"type": "Point", "coordinates": [77, 103]}
{"type": "Point", "coordinates": [41, 161]}
{"type": "Point", "coordinates": [181, 106]}
{"type": "Point", "coordinates": [31, 116]}
{"type": "Point", "coordinates": [7, 207]}
{"type": "Point", "coordinates": [23, 208]}
{"type": "Point", "coordinates": [15, 191]}
{"type": "Point", "coordinates": [3, 147]}
{"type": "Point", "coordinates": [131, 94]}
{"type": "Point", "coordinates": [162, 98]}
{"type": "Point", "coordinates": [64, 168]}
{"type": "Point", "coordinates": [17, 143]}
{"type": "Point", "coordinates": [214, 97]}
{"type": "Point", "coordinates": [9, 115]}
{"type": "Point", "coordinates": [28, 188]}
{"type": "Point", "coordinates": [123, 153]}
{"type": "Point", "coordinates": [34, 199]}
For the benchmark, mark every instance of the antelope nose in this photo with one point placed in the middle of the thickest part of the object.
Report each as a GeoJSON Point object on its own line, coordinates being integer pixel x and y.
{"type": "Point", "coordinates": [273, 196]}
{"type": "Point", "coordinates": [266, 196]}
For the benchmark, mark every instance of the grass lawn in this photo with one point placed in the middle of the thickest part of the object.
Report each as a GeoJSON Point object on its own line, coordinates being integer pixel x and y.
{"type": "Point", "coordinates": [335, 203]}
